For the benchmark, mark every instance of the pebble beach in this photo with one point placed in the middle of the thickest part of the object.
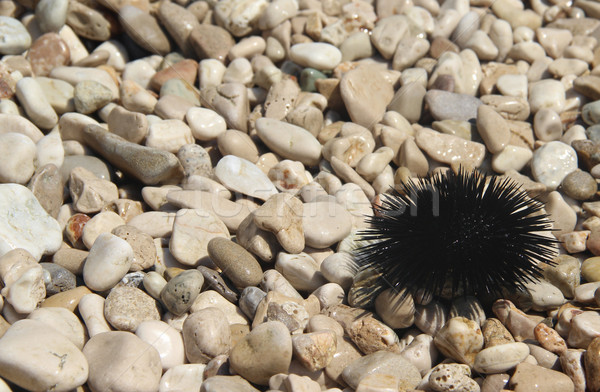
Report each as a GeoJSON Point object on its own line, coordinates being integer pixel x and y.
{"type": "Point", "coordinates": [183, 185]}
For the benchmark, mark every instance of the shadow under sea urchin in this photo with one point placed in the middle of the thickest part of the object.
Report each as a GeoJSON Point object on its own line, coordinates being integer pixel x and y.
{"type": "Point", "coordinates": [452, 230]}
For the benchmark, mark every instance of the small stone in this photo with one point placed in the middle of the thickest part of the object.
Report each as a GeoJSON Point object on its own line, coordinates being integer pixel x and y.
{"type": "Point", "coordinates": [179, 294]}
{"type": "Point", "coordinates": [492, 128]}
{"type": "Point", "coordinates": [227, 383]}
{"type": "Point", "coordinates": [110, 356]}
{"type": "Point", "coordinates": [235, 262]}
{"type": "Point", "coordinates": [371, 335]}
{"type": "Point", "coordinates": [325, 223]}
{"type": "Point", "coordinates": [206, 335]}
{"type": "Point", "coordinates": [90, 96]}
{"type": "Point", "coordinates": [17, 40]}
{"type": "Point", "coordinates": [211, 41]}
{"type": "Point", "coordinates": [283, 139]}
{"type": "Point", "coordinates": [454, 377]}
{"type": "Point", "coordinates": [206, 124]}
{"type": "Point", "coordinates": [67, 299]}
{"type": "Point", "coordinates": [149, 165]}
{"type": "Point", "coordinates": [36, 357]}
{"type": "Point", "coordinates": [498, 359]}
{"type": "Point", "coordinates": [127, 307]}
{"type": "Point", "coordinates": [108, 261]}
{"type": "Point", "coordinates": [445, 105]}
{"type": "Point", "coordinates": [382, 363]}
{"type": "Point", "coordinates": [402, 312]}
{"type": "Point", "coordinates": [579, 185]}
{"type": "Point", "coordinates": [19, 154]}
{"type": "Point", "coordinates": [183, 377]}
{"type": "Point", "coordinates": [366, 84]}
{"type": "Point", "coordinates": [265, 351]}
{"type": "Point", "coordinates": [144, 30]}
{"type": "Point", "coordinates": [239, 17]}
{"type": "Point", "coordinates": [90, 193]}
{"type": "Point", "coordinates": [60, 279]}
{"type": "Point", "coordinates": [585, 327]}
{"type": "Point", "coordinates": [165, 339]}
{"type": "Point", "coordinates": [590, 269]}
{"type": "Point", "coordinates": [315, 350]}
{"type": "Point", "coordinates": [565, 274]}
{"type": "Point", "coordinates": [550, 339]}
{"type": "Point", "coordinates": [243, 176]}
{"type": "Point", "coordinates": [47, 52]}
{"type": "Point", "coordinates": [25, 224]}
{"type": "Point", "coordinates": [460, 339]}
{"type": "Point", "coordinates": [211, 298]}
{"type": "Point", "coordinates": [318, 55]}
{"type": "Point", "coordinates": [91, 308]}
{"type": "Point", "coordinates": [449, 149]}
{"type": "Point", "coordinates": [547, 93]}
{"type": "Point", "coordinates": [38, 109]}
{"type": "Point", "coordinates": [528, 377]}
{"type": "Point", "coordinates": [103, 222]}
{"type": "Point", "coordinates": [552, 163]}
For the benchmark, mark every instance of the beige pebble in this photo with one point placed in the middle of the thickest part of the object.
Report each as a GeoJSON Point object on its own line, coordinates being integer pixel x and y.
{"type": "Point", "coordinates": [562, 215]}
{"type": "Point", "coordinates": [460, 339]}
{"type": "Point", "coordinates": [547, 125]}
{"type": "Point", "coordinates": [449, 148]}
{"type": "Point", "coordinates": [492, 128]}
{"type": "Point", "coordinates": [103, 222]}
{"type": "Point", "coordinates": [529, 376]}
{"type": "Point", "coordinates": [90, 193]}
{"type": "Point", "coordinates": [234, 142]}
{"type": "Point", "coordinates": [206, 335]}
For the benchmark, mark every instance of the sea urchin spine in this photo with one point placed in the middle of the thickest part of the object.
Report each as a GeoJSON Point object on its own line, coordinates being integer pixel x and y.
{"type": "Point", "coordinates": [452, 229]}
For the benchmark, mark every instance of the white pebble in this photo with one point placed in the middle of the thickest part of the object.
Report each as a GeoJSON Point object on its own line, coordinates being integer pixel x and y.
{"type": "Point", "coordinates": [108, 261]}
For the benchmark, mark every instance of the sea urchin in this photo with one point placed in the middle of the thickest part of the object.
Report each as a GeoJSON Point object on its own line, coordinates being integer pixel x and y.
{"type": "Point", "coordinates": [455, 231]}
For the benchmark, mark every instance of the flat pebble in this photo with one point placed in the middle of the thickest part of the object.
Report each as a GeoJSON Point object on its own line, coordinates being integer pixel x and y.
{"type": "Point", "coordinates": [265, 351]}
{"type": "Point", "coordinates": [180, 292]}
{"type": "Point", "coordinates": [552, 162]}
{"type": "Point", "coordinates": [108, 261]}
{"type": "Point", "coordinates": [318, 55]}
{"type": "Point", "coordinates": [36, 357]}
{"type": "Point", "coordinates": [325, 223]}
{"type": "Point", "coordinates": [499, 359]}
{"type": "Point", "coordinates": [450, 148]}
{"type": "Point", "coordinates": [110, 356]}
{"type": "Point", "coordinates": [455, 377]}
{"type": "Point", "coordinates": [384, 364]}
{"type": "Point", "coordinates": [283, 138]}
{"type": "Point", "coordinates": [235, 262]}
{"type": "Point", "coordinates": [206, 335]}
{"type": "Point", "coordinates": [25, 224]}
{"type": "Point", "coordinates": [182, 377]}
{"type": "Point", "coordinates": [18, 39]}
{"type": "Point", "coordinates": [240, 175]}
{"type": "Point", "coordinates": [127, 307]}
{"type": "Point", "coordinates": [445, 105]}
{"type": "Point", "coordinates": [20, 154]}
{"type": "Point", "coordinates": [528, 377]}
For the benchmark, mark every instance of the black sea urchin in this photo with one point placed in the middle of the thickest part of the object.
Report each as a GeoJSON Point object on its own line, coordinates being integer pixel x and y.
{"type": "Point", "coordinates": [460, 230]}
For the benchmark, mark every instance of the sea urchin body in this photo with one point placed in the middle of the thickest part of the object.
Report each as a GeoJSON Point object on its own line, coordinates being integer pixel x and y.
{"type": "Point", "coordinates": [460, 230]}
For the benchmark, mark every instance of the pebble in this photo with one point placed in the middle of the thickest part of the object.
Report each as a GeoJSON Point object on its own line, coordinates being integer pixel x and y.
{"type": "Point", "coordinates": [227, 383]}
{"type": "Point", "coordinates": [552, 162]}
{"type": "Point", "coordinates": [366, 84]}
{"type": "Point", "coordinates": [57, 278]}
{"type": "Point", "coordinates": [384, 364]}
{"type": "Point", "coordinates": [235, 262]}
{"type": "Point", "coordinates": [579, 185]}
{"type": "Point", "coordinates": [91, 308]}
{"type": "Point", "coordinates": [445, 105]}
{"type": "Point", "coordinates": [127, 307]}
{"type": "Point", "coordinates": [318, 55]}
{"type": "Point", "coordinates": [449, 148]}
{"type": "Point", "coordinates": [39, 111]}
{"type": "Point", "coordinates": [452, 377]}
{"type": "Point", "coordinates": [461, 339]}
{"type": "Point", "coordinates": [101, 223]}
{"type": "Point", "coordinates": [592, 361]}
{"type": "Point", "coordinates": [205, 123]}
{"type": "Point", "coordinates": [147, 164]}
{"type": "Point", "coordinates": [36, 357]}
{"type": "Point", "coordinates": [144, 30]}
{"type": "Point", "coordinates": [240, 175]}
{"type": "Point", "coordinates": [211, 298]}
{"type": "Point", "coordinates": [47, 52]}
{"type": "Point", "coordinates": [88, 192]}
{"type": "Point", "coordinates": [584, 328]}
{"type": "Point", "coordinates": [283, 138]}
{"type": "Point", "coordinates": [206, 335]}
{"type": "Point", "coordinates": [493, 129]}
{"type": "Point", "coordinates": [325, 223]}
{"type": "Point", "coordinates": [90, 96]}
{"type": "Point", "coordinates": [548, 94]}
{"type": "Point", "coordinates": [17, 39]}
{"type": "Point", "coordinates": [265, 351]}
{"type": "Point", "coordinates": [499, 359]}
{"type": "Point", "coordinates": [20, 154]}
{"type": "Point", "coordinates": [108, 261]}
{"type": "Point", "coordinates": [179, 294]}
{"type": "Point", "coordinates": [110, 356]}
{"type": "Point", "coordinates": [301, 270]}
{"type": "Point", "coordinates": [63, 321]}
{"type": "Point", "coordinates": [528, 377]}
{"type": "Point", "coordinates": [142, 244]}
{"type": "Point", "coordinates": [25, 224]}
{"type": "Point", "coordinates": [182, 377]}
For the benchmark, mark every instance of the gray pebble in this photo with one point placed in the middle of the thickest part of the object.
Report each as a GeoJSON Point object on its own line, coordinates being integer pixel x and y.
{"type": "Point", "coordinates": [133, 279]}
{"type": "Point", "coordinates": [235, 261]}
{"type": "Point", "coordinates": [181, 291]}
{"type": "Point", "coordinates": [214, 281]}
{"type": "Point", "coordinates": [249, 300]}
{"type": "Point", "coordinates": [58, 278]}
{"type": "Point", "coordinates": [579, 185]}
{"type": "Point", "coordinates": [195, 160]}
{"type": "Point", "coordinates": [445, 105]}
